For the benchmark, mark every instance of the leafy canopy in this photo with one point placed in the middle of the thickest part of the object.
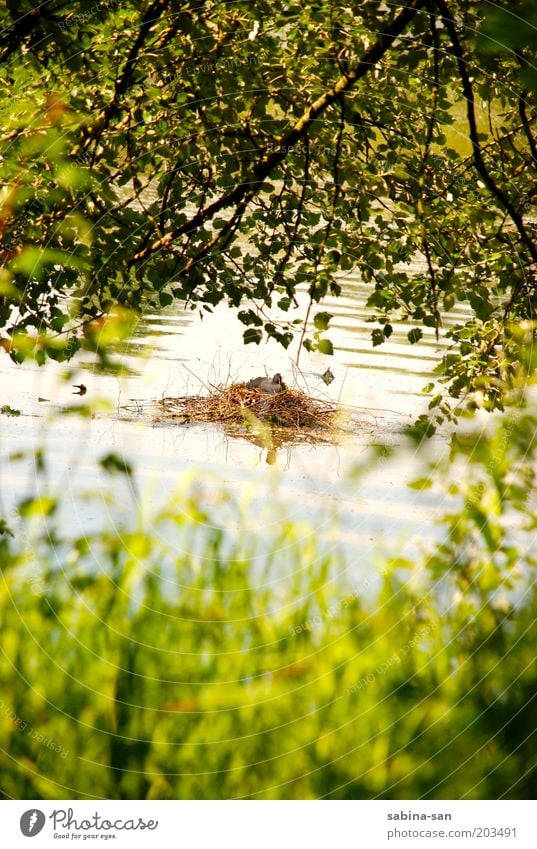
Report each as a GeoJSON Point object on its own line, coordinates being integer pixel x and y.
{"type": "Point", "coordinates": [236, 152]}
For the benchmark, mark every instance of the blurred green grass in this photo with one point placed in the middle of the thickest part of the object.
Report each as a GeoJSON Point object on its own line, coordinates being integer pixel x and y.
{"type": "Point", "coordinates": [156, 669]}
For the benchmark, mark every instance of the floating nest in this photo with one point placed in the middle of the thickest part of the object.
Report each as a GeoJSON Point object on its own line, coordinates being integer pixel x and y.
{"type": "Point", "coordinates": [238, 405]}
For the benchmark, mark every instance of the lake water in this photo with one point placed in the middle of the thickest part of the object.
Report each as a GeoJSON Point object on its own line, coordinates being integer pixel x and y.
{"type": "Point", "coordinates": [175, 353]}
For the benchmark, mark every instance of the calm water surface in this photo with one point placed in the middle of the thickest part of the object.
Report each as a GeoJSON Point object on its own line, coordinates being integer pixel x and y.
{"type": "Point", "coordinates": [175, 353]}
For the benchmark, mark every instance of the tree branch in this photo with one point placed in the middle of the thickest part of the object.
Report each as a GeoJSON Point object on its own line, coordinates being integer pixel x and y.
{"type": "Point", "coordinates": [247, 190]}
{"type": "Point", "coordinates": [495, 190]}
{"type": "Point", "coordinates": [152, 15]}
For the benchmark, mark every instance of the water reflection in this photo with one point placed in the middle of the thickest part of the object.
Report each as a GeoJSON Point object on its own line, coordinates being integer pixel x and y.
{"type": "Point", "coordinates": [178, 353]}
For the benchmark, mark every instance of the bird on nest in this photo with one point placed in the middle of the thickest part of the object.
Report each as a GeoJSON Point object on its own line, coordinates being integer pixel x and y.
{"type": "Point", "coordinates": [265, 384]}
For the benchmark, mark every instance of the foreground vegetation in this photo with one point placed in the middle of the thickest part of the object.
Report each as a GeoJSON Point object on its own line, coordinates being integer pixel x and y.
{"type": "Point", "coordinates": [177, 659]}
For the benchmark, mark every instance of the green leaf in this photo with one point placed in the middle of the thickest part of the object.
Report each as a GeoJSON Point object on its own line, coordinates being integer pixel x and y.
{"type": "Point", "coordinates": [250, 317]}
{"type": "Point", "coordinates": [322, 320]}
{"type": "Point", "coordinates": [252, 336]}
{"type": "Point", "coordinates": [165, 299]}
{"type": "Point", "coordinates": [325, 346]}
{"type": "Point", "coordinates": [421, 429]}
{"type": "Point", "coordinates": [5, 530]}
{"type": "Point", "coordinates": [114, 464]}
{"type": "Point", "coordinates": [421, 483]}
{"type": "Point", "coordinates": [414, 335]}
{"type": "Point", "coordinates": [42, 506]}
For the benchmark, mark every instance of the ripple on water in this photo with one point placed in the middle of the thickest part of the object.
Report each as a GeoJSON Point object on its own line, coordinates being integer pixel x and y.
{"type": "Point", "coordinates": [176, 353]}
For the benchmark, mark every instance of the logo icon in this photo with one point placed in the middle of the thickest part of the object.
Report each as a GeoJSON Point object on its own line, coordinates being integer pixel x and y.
{"type": "Point", "coordinates": [32, 822]}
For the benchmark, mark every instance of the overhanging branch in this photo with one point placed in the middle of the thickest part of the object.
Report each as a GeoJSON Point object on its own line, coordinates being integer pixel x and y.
{"type": "Point", "coordinates": [492, 186]}
{"type": "Point", "coordinates": [244, 192]}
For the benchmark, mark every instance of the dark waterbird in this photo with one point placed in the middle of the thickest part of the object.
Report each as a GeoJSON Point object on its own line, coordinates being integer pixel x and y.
{"type": "Point", "coordinates": [265, 384]}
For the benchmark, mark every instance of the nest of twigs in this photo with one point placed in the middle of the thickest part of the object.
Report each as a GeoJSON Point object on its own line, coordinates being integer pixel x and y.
{"type": "Point", "coordinates": [239, 405]}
